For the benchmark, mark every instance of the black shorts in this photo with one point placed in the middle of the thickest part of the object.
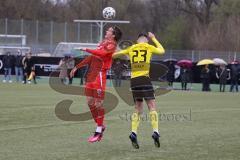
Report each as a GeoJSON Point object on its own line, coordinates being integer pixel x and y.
{"type": "Point", "coordinates": [142, 88]}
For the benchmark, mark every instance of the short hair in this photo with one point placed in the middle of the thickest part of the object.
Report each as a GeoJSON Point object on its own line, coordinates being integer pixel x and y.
{"type": "Point", "coordinates": [117, 33]}
{"type": "Point", "coordinates": [143, 35]}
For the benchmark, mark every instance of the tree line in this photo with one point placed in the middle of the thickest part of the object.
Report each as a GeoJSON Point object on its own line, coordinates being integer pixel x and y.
{"type": "Point", "coordinates": [179, 24]}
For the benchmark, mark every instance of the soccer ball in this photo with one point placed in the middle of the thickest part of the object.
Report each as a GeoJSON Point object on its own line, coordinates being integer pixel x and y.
{"type": "Point", "coordinates": [109, 13]}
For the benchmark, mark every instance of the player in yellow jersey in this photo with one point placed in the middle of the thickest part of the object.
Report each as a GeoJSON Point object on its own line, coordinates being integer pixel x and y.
{"type": "Point", "coordinates": [140, 57]}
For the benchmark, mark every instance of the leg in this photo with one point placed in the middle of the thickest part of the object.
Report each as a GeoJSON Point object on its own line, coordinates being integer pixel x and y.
{"type": "Point", "coordinates": [153, 114]}
{"type": "Point", "coordinates": [115, 80]}
{"type": "Point", "coordinates": [16, 74]}
{"type": "Point", "coordinates": [154, 121]}
{"type": "Point", "coordinates": [92, 107]}
{"type": "Point", "coordinates": [236, 85]}
{"type": "Point", "coordinates": [81, 80]}
{"type": "Point", "coordinates": [232, 85]}
{"type": "Point", "coordinates": [5, 75]}
{"type": "Point", "coordinates": [10, 74]}
{"type": "Point", "coordinates": [223, 87]}
{"type": "Point", "coordinates": [100, 114]}
{"type": "Point", "coordinates": [119, 79]}
{"type": "Point", "coordinates": [25, 77]}
{"type": "Point", "coordinates": [21, 73]}
{"type": "Point", "coordinates": [34, 78]}
{"type": "Point", "coordinates": [135, 122]}
{"type": "Point", "coordinates": [136, 115]}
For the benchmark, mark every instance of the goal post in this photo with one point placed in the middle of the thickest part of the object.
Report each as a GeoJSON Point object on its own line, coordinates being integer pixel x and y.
{"type": "Point", "coordinates": [101, 24]}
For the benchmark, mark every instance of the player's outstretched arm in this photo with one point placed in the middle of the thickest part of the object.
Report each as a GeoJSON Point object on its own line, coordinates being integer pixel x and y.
{"type": "Point", "coordinates": [84, 62]}
{"type": "Point", "coordinates": [108, 49]}
{"type": "Point", "coordinates": [159, 48]}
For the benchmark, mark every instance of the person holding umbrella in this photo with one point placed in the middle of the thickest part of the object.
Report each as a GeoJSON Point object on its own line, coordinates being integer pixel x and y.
{"type": "Point", "coordinates": [205, 77]}
{"type": "Point", "coordinates": [170, 73]}
{"type": "Point", "coordinates": [205, 73]}
{"type": "Point", "coordinates": [223, 75]}
{"type": "Point", "coordinates": [185, 77]}
{"type": "Point", "coordinates": [185, 72]}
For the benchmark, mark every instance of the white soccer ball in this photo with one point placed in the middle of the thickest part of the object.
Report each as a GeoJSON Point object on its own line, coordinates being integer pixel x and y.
{"type": "Point", "coordinates": [109, 13]}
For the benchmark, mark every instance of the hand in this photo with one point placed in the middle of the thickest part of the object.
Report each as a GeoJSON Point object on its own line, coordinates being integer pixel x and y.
{"type": "Point", "coordinates": [81, 49]}
{"type": "Point", "coordinates": [151, 35]}
{"type": "Point", "coordinates": [72, 73]}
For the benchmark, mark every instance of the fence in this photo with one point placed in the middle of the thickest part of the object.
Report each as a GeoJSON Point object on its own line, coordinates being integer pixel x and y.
{"type": "Point", "coordinates": [43, 37]}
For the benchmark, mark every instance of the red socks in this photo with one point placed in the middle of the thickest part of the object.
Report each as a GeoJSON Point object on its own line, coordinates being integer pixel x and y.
{"type": "Point", "coordinates": [97, 114]}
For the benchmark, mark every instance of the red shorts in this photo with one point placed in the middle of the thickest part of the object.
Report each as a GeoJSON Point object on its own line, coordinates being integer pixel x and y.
{"type": "Point", "coordinates": [96, 88]}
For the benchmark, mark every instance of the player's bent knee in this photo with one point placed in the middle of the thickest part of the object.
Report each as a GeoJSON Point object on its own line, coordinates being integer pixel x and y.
{"type": "Point", "coordinates": [151, 105]}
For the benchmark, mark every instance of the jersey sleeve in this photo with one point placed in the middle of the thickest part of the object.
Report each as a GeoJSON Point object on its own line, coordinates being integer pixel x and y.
{"type": "Point", "coordinates": [84, 62]}
{"type": "Point", "coordinates": [158, 49]}
{"type": "Point", "coordinates": [97, 52]}
{"type": "Point", "coordinates": [109, 48]}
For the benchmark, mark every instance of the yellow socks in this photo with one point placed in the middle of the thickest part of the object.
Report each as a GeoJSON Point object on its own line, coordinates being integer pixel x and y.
{"type": "Point", "coordinates": [154, 120]}
{"type": "Point", "coordinates": [135, 122]}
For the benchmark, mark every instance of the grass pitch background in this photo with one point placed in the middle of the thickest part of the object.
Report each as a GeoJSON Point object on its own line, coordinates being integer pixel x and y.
{"type": "Point", "coordinates": [30, 130]}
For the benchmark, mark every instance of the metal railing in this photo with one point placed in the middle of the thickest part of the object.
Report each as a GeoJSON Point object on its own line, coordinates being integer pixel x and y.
{"type": "Point", "coordinates": [43, 37]}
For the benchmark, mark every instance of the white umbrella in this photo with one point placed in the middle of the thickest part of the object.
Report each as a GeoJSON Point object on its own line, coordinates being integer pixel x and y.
{"type": "Point", "coordinates": [219, 61]}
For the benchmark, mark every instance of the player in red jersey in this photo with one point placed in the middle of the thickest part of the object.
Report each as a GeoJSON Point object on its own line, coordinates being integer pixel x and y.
{"type": "Point", "coordinates": [96, 88]}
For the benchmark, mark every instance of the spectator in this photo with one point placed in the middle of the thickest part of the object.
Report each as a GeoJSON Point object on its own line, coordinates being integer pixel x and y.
{"type": "Point", "coordinates": [118, 69]}
{"type": "Point", "coordinates": [223, 75]}
{"type": "Point", "coordinates": [234, 77]}
{"type": "Point", "coordinates": [7, 65]}
{"type": "Point", "coordinates": [63, 75]}
{"type": "Point", "coordinates": [185, 77]}
{"type": "Point", "coordinates": [171, 73]}
{"type": "Point", "coordinates": [205, 77]}
{"type": "Point", "coordinates": [81, 72]}
{"type": "Point", "coordinates": [19, 67]}
{"type": "Point", "coordinates": [28, 67]}
{"type": "Point", "coordinates": [70, 66]}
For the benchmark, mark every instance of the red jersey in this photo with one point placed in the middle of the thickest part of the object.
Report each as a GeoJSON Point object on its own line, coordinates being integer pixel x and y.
{"type": "Point", "coordinates": [94, 67]}
{"type": "Point", "coordinates": [105, 51]}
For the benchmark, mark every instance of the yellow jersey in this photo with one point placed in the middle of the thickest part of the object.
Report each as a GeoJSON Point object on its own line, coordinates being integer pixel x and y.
{"type": "Point", "coordinates": [140, 57]}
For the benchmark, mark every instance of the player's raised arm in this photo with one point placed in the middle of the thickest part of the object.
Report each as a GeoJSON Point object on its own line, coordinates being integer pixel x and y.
{"type": "Point", "coordinates": [159, 48]}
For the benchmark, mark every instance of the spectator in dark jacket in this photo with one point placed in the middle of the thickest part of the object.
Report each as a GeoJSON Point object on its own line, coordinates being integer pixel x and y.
{"type": "Point", "coordinates": [223, 75]}
{"type": "Point", "coordinates": [205, 76]}
{"type": "Point", "coordinates": [19, 67]}
{"type": "Point", "coordinates": [234, 77]}
{"type": "Point", "coordinates": [118, 68]}
{"type": "Point", "coordinates": [185, 77]}
{"type": "Point", "coordinates": [170, 74]}
{"type": "Point", "coordinates": [7, 65]}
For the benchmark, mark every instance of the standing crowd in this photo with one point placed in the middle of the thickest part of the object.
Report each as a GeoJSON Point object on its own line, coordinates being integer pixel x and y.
{"type": "Point", "coordinates": [24, 68]}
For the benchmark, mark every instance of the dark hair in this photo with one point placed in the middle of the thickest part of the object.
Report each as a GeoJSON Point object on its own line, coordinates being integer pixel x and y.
{"type": "Point", "coordinates": [117, 33]}
{"type": "Point", "coordinates": [143, 35]}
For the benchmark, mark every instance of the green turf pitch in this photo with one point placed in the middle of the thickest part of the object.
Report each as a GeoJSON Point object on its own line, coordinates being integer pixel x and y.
{"type": "Point", "coordinates": [194, 126]}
